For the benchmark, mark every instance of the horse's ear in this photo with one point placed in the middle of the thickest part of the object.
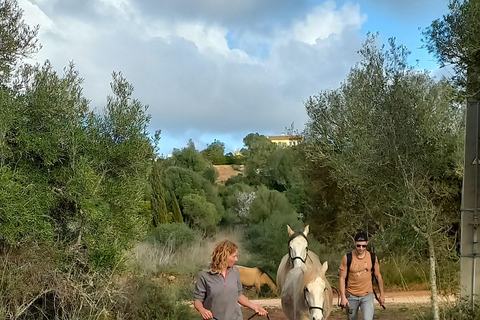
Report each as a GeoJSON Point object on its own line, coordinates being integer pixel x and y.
{"type": "Point", "coordinates": [305, 231]}
{"type": "Point", "coordinates": [290, 231]}
{"type": "Point", "coordinates": [325, 266]}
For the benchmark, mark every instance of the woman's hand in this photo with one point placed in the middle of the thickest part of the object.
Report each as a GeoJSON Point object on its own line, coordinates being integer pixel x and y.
{"type": "Point", "coordinates": [206, 314]}
{"type": "Point", "coordinates": [260, 311]}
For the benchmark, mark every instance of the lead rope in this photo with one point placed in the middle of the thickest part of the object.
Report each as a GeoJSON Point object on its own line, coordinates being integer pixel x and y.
{"type": "Point", "coordinates": [256, 314]}
{"type": "Point", "coordinates": [347, 309]}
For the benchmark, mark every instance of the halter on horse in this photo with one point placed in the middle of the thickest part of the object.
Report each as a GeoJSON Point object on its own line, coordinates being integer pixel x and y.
{"type": "Point", "coordinates": [309, 306]}
{"type": "Point", "coordinates": [305, 291]}
{"type": "Point", "coordinates": [298, 246]}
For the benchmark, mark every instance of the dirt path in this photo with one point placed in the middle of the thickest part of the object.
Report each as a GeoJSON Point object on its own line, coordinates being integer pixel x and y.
{"type": "Point", "coordinates": [390, 297]}
{"type": "Point", "coordinates": [400, 305]}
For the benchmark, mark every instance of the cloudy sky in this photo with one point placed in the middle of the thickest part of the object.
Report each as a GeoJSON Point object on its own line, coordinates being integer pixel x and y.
{"type": "Point", "coordinates": [220, 69]}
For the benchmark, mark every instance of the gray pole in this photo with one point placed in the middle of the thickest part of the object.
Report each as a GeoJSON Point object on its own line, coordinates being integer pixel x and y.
{"type": "Point", "coordinates": [469, 218]}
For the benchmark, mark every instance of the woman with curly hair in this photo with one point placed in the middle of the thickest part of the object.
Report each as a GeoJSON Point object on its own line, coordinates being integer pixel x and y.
{"type": "Point", "coordinates": [218, 291]}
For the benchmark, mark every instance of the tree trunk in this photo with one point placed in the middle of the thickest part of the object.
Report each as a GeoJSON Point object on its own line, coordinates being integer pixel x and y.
{"type": "Point", "coordinates": [433, 279]}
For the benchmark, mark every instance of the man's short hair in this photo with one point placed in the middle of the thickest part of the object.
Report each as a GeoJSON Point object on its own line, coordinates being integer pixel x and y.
{"type": "Point", "coordinates": [361, 236]}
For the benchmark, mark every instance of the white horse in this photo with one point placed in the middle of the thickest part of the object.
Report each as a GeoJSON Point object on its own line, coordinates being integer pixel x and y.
{"type": "Point", "coordinates": [298, 255]}
{"type": "Point", "coordinates": [306, 294]}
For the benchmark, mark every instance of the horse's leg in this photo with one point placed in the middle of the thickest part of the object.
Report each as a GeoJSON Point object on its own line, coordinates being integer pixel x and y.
{"type": "Point", "coordinates": [257, 287]}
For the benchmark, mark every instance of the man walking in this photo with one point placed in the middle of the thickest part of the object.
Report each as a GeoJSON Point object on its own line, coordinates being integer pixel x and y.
{"type": "Point", "coordinates": [357, 271]}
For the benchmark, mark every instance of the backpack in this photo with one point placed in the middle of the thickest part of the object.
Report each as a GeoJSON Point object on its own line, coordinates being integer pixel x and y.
{"type": "Point", "coordinates": [349, 262]}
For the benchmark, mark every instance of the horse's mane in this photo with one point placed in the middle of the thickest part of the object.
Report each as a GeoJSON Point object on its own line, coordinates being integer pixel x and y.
{"type": "Point", "coordinates": [309, 275]}
{"type": "Point", "coordinates": [263, 272]}
{"type": "Point", "coordinates": [260, 270]}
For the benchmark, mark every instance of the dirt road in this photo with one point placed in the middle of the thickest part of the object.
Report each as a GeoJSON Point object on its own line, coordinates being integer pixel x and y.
{"type": "Point", "coordinates": [390, 297]}
{"type": "Point", "coordinates": [400, 305]}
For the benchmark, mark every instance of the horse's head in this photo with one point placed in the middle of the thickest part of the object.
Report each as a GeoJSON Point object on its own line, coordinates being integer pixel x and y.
{"type": "Point", "coordinates": [298, 246]}
{"type": "Point", "coordinates": [315, 291]}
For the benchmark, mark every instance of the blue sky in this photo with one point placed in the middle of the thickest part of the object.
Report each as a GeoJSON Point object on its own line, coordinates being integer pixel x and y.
{"type": "Point", "coordinates": [221, 69]}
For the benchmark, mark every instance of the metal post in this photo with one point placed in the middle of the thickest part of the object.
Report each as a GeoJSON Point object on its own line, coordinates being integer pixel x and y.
{"type": "Point", "coordinates": [475, 212]}
{"type": "Point", "coordinates": [469, 286]}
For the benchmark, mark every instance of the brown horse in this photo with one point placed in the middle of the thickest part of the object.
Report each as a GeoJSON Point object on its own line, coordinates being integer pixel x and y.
{"type": "Point", "coordinates": [256, 277]}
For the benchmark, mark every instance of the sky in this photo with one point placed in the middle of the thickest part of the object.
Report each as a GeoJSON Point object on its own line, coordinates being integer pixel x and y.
{"type": "Point", "coordinates": [221, 69]}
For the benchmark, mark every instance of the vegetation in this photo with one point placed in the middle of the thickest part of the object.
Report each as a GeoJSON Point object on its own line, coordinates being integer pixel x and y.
{"type": "Point", "coordinates": [454, 39]}
{"type": "Point", "coordinates": [95, 226]}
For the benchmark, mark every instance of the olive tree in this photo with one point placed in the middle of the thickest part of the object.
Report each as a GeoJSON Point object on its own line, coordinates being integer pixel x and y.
{"type": "Point", "coordinates": [392, 138]}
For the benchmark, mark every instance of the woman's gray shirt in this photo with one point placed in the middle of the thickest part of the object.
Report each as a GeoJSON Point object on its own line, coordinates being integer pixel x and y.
{"type": "Point", "coordinates": [220, 294]}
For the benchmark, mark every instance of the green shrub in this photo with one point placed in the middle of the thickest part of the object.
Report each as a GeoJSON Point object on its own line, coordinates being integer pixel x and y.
{"type": "Point", "coordinates": [177, 235]}
{"type": "Point", "coordinates": [150, 300]}
{"type": "Point", "coordinates": [200, 214]}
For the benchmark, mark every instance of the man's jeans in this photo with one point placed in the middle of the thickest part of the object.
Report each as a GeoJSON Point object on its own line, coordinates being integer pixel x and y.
{"type": "Point", "coordinates": [366, 303]}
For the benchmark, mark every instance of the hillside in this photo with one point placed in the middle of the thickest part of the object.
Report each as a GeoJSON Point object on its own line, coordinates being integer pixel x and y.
{"type": "Point", "coordinates": [225, 172]}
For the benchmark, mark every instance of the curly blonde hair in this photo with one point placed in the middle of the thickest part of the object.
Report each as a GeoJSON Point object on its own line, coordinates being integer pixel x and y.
{"type": "Point", "coordinates": [220, 254]}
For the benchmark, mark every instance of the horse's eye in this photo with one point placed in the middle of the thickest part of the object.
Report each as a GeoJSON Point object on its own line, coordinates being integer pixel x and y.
{"type": "Point", "coordinates": [306, 289]}
{"type": "Point", "coordinates": [325, 289]}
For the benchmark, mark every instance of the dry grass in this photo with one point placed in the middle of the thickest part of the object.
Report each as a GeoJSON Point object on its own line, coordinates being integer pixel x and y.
{"type": "Point", "coordinates": [148, 257]}
{"type": "Point", "coordinates": [225, 172]}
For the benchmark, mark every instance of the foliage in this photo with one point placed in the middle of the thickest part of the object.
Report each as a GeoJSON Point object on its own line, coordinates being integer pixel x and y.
{"type": "Point", "coordinates": [152, 301]}
{"type": "Point", "coordinates": [180, 182]}
{"type": "Point", "coordinates": [268, 203]}
{"type": "Point", "coordinates": [190, 158]}
{"type": "Point", "coordinates": [86, 173]}
{"type": "Point", "coordinates": [18, 39]}
{"type": "Point", "coordinates": [215, 152]}
{"type": "Point", "coordinates": [26, 205]}
{"type": "Point", "coordinates": [392, 136]}
{"type": "Point", "coordinates": [199, 213]}
{"type": "Point", "coordinates": [177, 235]}
{"type": "Point", "coordinates": [454, 40]}
{"type": "Point", "coordinates": [158, 199]}
{"type": "Point", "coordinates": [237, 200]}
{"type": "Point", "coordinates": [234, 159]}
{"type": "Point", "coordinates": [259, 148]}
{"type": "Point", "coordinates": [177, 213]}
{"type": "Point", "coordinates": [283, 169]}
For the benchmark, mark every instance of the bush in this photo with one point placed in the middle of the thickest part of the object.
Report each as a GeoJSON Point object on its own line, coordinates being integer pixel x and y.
{"type": "Point", "coordinates": [150, 300]}
{"type": "Point", "coordinates": [177, 235]}
{"type": "Point", "coordinates": [269, 203]}
{"type": "Point", "coordinates": [200, 214]}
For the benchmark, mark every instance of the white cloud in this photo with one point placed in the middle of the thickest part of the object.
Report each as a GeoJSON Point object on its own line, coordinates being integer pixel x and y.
{"type": "Point", "coordinates": [34, 15]}
{"type": "Point", "coordinates": [193, 79]}
{"type": "Point", "coordinates": [326, 20]}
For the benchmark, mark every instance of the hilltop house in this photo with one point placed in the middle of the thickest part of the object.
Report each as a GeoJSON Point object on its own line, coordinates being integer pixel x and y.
{"type": "Point", "coordinates": [285, 140]}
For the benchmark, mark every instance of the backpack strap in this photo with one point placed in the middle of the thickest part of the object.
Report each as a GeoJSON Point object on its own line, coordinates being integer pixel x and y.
{"type": "Point", "coordinates": [349, 262]}
{"type": "Point", "coordinates": [373, 265]}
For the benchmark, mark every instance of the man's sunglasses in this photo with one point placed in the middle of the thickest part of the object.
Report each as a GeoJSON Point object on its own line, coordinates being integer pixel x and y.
{"type": "Point", "coordinates": [361, 245]}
